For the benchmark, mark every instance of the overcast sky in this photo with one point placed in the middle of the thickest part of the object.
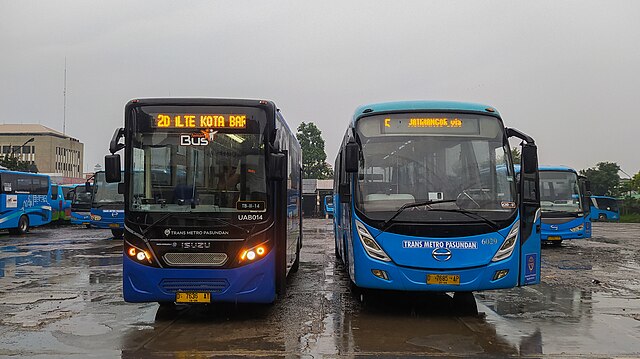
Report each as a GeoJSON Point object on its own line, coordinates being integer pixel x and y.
{"type": "Point", "coordinates": [565, 72]}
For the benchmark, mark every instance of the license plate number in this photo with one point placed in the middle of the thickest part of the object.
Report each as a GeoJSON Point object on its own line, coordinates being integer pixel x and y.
{"type": "Point", "coordinates": [554, 238]}
{"type": "Point", "coordinates": [443, 279]}
{"type": "Point", "coordinates": [114, 225]}
{"type": "Point", "coordinates": [193, 297]}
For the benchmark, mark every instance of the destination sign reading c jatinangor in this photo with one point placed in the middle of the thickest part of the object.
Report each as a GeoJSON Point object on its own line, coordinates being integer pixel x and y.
{"type": "Point", "coordinates": [201, 120]}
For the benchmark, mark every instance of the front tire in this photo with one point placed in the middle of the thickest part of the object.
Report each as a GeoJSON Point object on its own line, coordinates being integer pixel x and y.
{"type": "Point", "coordinates": [117, 233]}
{"type": "Point", "coordinates": [602, 217]}
{"type": "Point", "coordinates": [296, 263]}
{"type": "Point", "coordinates": [23, 226]}
{"type": "Point", "coordinates": [464, 304]}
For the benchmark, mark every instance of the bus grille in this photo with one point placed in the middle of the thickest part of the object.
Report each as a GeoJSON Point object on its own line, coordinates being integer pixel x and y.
{"type": "Point", "coordinates": [196, 259]}
{"type": "Point", "coordinates": [194, 285]}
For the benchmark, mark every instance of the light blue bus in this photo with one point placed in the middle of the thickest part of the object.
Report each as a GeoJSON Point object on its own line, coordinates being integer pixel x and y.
{"type": "Point", "coordinates": [565, 205]}
{"type": "Point", "coordinates": [107, 206]}
{"type": "Point", "coordinates": [604, 208]}
{"type": "Point", "coordinates": [81, 205]}
{"type": "Point", "coordinates": [24, 201]}
{"type": "Point", "coordinates": [426, 200]}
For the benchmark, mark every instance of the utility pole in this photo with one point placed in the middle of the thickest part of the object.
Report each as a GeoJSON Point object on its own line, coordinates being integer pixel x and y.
{"type": "Point", "coordinates": [64, 98]}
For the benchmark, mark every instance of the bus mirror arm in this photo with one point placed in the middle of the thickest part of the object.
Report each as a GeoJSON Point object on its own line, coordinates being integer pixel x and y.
{"type": "Point", "coordinates": [512, 132]}
{"type": "Point", "coordinates": [114, 145]}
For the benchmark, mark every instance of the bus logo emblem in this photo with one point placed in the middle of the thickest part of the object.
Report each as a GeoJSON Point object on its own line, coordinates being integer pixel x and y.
{"type": "Point", "coordinates": [554, 227]}
{"type": "Point", "coordinates": [441, 254]}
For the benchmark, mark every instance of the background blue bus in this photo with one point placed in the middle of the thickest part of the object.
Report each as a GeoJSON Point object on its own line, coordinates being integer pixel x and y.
{"type": "Point", "coordinates": [565, 205]}
{"type": "Point", "coordinates": [426, 200]}
{"type": "Point", "coordinates": [604, 208]}
{"type": "Point", "coordinates": [107, 206]}
{"type": "Point", "coordinates": [24, 201]}
{"type": "Point", "coordinates": [213, 192]}
{"type": "Point", "coordinates": [81, 204]}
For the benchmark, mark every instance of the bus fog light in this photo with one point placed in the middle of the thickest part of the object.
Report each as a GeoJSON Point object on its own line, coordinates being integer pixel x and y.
{"type": "Point", "coordinates": [577, 228]}
{"type": "Point", "coordinates": [380, 274]}
{"type": "Point", "coordinates": [500, 274]}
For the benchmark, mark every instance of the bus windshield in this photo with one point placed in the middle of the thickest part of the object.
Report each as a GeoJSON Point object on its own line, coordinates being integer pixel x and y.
{"type": "Point", "coordinates": [559, 192]}
{"type": "Point", "coordinates": [459, 162]}
{"type": "Point", "coordinates": [105, 193]}
{"type": "Point", "coordinates": [81, 196]}
{"type": "Point", "coordinates": [209, 167]}
{"type": "Point", "coordinates": [606, 203]}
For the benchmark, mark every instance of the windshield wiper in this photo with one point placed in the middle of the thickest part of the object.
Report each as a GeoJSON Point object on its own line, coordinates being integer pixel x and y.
{"type": "Point", "coordinates": [162, 218]}
{"type": "Point", "coordinates": [470, 214]}
{"type": "Point", "coordinates": [411, 205]}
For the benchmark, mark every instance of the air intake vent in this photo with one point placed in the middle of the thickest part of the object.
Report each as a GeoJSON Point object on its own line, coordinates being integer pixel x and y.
{"type": "Point", "coordinates": [194, 285]}
{"type": "Point", "coordinates": [196, 259]}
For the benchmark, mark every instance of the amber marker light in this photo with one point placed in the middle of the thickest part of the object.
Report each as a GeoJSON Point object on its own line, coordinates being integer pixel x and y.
{"type": "Point", "coordinates": [260, 251]}
{"type": "Point", "coordinates": [132, 252]}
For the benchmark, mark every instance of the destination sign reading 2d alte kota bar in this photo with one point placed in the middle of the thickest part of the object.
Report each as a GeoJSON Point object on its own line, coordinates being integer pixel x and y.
{"type": "Point", "coordinates": [185, 120]}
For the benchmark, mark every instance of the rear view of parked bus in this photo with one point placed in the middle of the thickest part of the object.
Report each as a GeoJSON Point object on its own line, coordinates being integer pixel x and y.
{"type": "Point", "coordinates": [565, 205]}
{"type": "Point", "coordinates": [212, 200]}
{"type": "Point", "coordinates": [604, 208]}
{"type": "Point", "coordinates": [24, 201]}
{"type": "Point", "coordinates": [107, 204]}
{"type": "Point", "coordinates": [426, 200]}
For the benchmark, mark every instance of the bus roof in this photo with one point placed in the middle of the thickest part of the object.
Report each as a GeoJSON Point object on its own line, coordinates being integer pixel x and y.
{"type": "Point", "coordinates": [399, 106]}
{"type": "Point", "coordinates": [556, 168]}
{"type": "Point", "coordinates": [25, 173]}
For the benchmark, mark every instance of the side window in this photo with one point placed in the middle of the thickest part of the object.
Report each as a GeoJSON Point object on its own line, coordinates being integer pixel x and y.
{"type": "Point", "coordinates": [54, 192]}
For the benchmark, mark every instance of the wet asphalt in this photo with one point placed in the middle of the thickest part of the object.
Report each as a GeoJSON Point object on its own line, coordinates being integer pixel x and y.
{"type": "Point", "coordinates": [60, 297]}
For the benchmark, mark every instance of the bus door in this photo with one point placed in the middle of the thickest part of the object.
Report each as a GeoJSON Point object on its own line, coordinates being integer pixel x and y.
{"type": "Point", "coordinates": [529, 190]}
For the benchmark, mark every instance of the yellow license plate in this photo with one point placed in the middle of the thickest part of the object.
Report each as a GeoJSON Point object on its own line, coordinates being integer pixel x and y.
{"type": "Point", "coordinates": [193, 297]}
{"type": "Point", "coordinates": [554, 238]}
{"type": "Point", "coordinates": [114, 225]}
{"type": "Point", "coordinates": [443, 279]}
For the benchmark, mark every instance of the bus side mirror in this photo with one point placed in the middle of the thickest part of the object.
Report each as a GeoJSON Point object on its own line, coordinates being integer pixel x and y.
{"type": "Point", "coordinates": [112, 171]}
{"type": "Point", "coordinates": [121, 188]}
{"type": "Point", "coordinates": [351, 157]}
{"type": "Point", "coordinates": [87, 186]}
{"type": "Point", "coordinates": [277, 166]}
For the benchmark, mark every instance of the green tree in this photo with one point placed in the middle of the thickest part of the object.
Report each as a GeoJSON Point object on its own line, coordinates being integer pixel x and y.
{"type": "Point", "coordinates": [515, 155]}
{"type": "Point", "coordinates": [14, 164]}
{"type": "Point", "coordinates": [313, 155]}
{"type": "Point", "coordinates": [604, 178]}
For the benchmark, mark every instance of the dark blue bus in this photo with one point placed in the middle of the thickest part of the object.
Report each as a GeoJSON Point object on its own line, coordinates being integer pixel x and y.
{"type": "Point", "coordinates": [426, 199]}
{"type": "Point", "coordinates": [212, 191]}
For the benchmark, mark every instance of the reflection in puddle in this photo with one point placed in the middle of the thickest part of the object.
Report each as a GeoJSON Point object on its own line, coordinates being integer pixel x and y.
{"type": "Point", "coordinates": [568, 320]}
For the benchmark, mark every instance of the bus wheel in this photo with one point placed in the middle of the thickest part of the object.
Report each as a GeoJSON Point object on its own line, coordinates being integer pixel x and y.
{"type": "Point", "coordinates": [296, 263]}
{"type": "Point", "coordinates": [117, 232]}
{"type": "Point", "coordinates": [23, 226]}
{"type": "Point", "coordinates": [88, 226]}
{"type": "Point", "coordinates": [602, 217]}
{"type": "Point", "coordinates": [464, 304]}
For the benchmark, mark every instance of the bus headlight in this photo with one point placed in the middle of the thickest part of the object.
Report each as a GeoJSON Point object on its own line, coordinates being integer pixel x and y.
{"type": "Point", "coordinates": [254, 253]}
{"type": "Point", "coordinates": [509, 244]}
{"type": "Point", "coordinates": [138, 254]}
{"type": "Point", "coordinates": [370, 245]}
{"type": "Point", "coordinates": [95, 217]}
{"type": "Point", "coordinates": [577, 228]}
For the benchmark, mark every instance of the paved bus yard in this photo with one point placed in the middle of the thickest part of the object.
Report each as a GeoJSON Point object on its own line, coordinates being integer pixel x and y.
{"type": "Point", "coordinates": [60, 296]}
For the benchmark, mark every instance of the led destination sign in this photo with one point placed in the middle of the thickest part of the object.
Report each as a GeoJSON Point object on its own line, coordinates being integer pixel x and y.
{"type": "Point", "coordinates": [429, 124]}
{"type": "Point", "coordinates": [202, 120]}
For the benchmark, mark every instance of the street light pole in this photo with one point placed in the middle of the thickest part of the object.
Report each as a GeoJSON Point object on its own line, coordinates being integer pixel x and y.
{"type": "Point", "coordinates": [24, 144]}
